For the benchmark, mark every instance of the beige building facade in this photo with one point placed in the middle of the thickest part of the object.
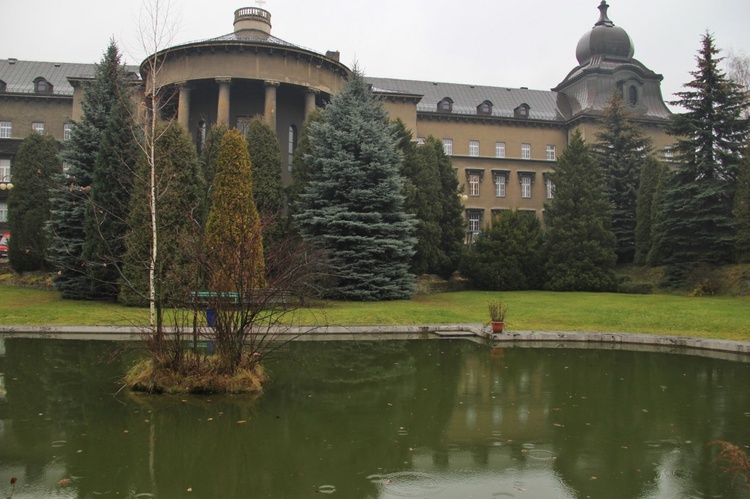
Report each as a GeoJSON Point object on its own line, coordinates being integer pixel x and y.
{"type": "Point", "coordinates": [503, 141]}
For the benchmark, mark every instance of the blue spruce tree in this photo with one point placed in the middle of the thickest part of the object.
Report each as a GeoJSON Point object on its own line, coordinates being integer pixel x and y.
{"type": "Point", "coordinates": [353, 204]}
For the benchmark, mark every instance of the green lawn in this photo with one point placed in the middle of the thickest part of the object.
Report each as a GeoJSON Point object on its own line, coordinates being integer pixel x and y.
{"type": "Point", "coordinates": [707, 317]}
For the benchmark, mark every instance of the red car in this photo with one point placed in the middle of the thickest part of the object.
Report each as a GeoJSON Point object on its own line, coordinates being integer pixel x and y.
{"type": "Point", "coordinates": [4, 244]}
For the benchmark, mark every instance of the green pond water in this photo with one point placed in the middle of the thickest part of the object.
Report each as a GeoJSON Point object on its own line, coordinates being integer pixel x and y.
{"type": "Point", "coordinates": [376, 419]}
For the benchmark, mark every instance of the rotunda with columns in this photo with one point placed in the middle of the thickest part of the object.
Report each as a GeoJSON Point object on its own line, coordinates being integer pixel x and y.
{"type": "Point", "coordinates": [248, 72]}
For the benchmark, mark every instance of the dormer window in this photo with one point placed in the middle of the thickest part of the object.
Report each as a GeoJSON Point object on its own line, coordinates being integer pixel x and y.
{"type": "Point", "coordinates": [631, 92]}
{"type": "Point", "coordinates": [445, 105]}
{"type": "Point", "coordinates": [485, 108]}
{"type": "Point", "coordinates": [522, 111]}
{"type": "Point", "coordinates": [42, 86]}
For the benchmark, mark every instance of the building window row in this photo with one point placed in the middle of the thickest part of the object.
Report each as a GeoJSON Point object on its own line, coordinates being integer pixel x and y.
{"type": "Point", "coordinates": [6, 129]}
{"type": "Point", "coordinates": [500, 180]}
{"type": "Point", "coordinates": [551, 151]}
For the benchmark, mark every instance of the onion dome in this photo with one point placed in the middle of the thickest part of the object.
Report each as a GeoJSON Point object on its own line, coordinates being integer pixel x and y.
{"type": "Point", "coordinates": [605, 39]}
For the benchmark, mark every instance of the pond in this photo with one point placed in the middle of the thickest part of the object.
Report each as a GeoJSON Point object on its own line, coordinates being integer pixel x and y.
{"type": "Point", "coordinates": [376, 419]}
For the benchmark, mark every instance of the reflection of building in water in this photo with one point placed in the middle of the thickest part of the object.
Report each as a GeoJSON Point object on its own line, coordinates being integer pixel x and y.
{"type": "Point", "coordinates": [497, 404]}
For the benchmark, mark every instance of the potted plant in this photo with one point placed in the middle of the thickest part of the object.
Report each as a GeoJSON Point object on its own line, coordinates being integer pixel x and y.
{"type": "Point", "coordinates": [497, 309]}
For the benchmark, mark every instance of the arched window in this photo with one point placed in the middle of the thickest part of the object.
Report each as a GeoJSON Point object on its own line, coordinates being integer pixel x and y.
{"type": "Point", "coordinates": [522, 111]}
{"type": "Point", "coordinates": [445, 105]}
{"type": "Point", "coordinates": [485, 108]}
{"type": "Point", "coordinates": [632, 95]}
{"type": "Point", "coordinates": [292, 145]}
{"type": "Point", "coordinates": [42, 86]}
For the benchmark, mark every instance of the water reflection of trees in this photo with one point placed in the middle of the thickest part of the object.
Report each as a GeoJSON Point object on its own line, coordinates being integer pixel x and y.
{"type": "Point", "coordinates": [620, 424]}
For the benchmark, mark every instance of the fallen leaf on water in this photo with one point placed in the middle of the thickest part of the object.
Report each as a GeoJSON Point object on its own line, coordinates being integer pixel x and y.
{"type": "Point", "coordinates": [241, 421]}
{"type": "Point", "coordinates": [64, 481]}
{"type": "Point", "coordinates": [190, 489]}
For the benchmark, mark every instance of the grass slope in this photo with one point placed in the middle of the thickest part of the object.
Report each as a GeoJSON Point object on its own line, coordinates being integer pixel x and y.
{"type": "Point", "coordinates": [720, 317]}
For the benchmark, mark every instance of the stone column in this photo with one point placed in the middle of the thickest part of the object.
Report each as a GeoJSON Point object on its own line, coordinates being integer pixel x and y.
{"type": "Point", "coordinates": [310, 96]}
{"type": "Point", "coordinates": [270, 108]}
{"type": "Point", "coordinates": [222, 115]}
{"type": "Point", "coordinates": [183, 106]}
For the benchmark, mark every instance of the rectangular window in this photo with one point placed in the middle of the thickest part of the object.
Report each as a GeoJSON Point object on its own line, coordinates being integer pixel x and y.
{"type": "Point", "coordinates": [67, 128]}
{"type": "Point", "coordinates": [473, 148]}
{"type": "Point", "coordinates": [6, 129]}
{"type": "Point", "coordinates": [448, 146]}
{"type": "Point", "coordinates": [550, 153]}
{"type": "Point", "coordinates": [3, 212]}
{"type": "Point", "coordinates": [4, 170]}
{"type": "Point", "coordinates": [243, 124]}
{"type": "Point", "coordinates": [420, 141]}
{"type": "Point", "coordinates": [499, 149]}
{"type": "Point", "coordinates": [500, 186]}
{"type": "Point", "coordinates": [473, 185]}
{"type": "Point", "coordinates": [38, 127]}
{"type": "Point", "coordinates": [474, 218]}
{"type": "Point", "coordinates": [525, 187]}
{"type": "Point", "coordinates": [668, 154]}
{"type": "Point", "coordinates": [550, 189]}
{"type": "Point", "coordinates": [525, 151]}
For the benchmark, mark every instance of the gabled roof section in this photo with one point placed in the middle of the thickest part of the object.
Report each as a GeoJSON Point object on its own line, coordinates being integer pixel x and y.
{"type": "Point", "coordinates": [542, 103]}
{"type": "Point", "coordinates": [19, 76]}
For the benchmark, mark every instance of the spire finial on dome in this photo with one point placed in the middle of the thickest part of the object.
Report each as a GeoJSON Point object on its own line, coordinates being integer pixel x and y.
{"type": "Point", "coordinates": [603, 19]}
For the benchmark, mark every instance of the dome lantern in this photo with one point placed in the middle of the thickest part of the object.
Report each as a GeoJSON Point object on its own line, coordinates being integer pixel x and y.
{"type": "Point", "coordinates": [605, 39]}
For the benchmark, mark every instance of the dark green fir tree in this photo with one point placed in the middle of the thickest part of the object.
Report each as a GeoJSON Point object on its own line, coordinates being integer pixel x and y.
{"type": "Point", "coordinates": [452, 223]}
{"type": "Point", "coordinates": [179, 196]}
{"type": "Point", "coordinates": [69, 198]}
{"type": "Point", "coordinates": [265, 156]}
{"type": "Point", "coordinates": [652, 171]}
{"type": "Point", "coordinates": [621, 150]}
{"type": "Point", "coordinates": [301, 162]}
{"type": "Point", "coordinates": [105, 220]}
{"type": "Point", "coordinates": [422, 198]}
{"type": "Point", "coordinates": [742, 211]}
{"type": "Point", "coordinates": [579, 246]}
{"type": "Point", "coordinates": [507, 255]}
{"type": "Point", "coordinates": [268, 191]}
{"type": "Point", "coordinates": [35, 167]}
{"type": "Point", "coordinates": [353, 206]}
{"type": "Point", "coordinates": [697, 224]}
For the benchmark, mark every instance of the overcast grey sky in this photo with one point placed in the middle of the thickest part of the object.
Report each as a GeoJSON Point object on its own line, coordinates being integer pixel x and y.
{"type": "Point", "coordinates": [509, 43]}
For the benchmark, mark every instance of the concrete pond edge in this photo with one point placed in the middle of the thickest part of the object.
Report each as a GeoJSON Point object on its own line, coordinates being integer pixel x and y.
{"type": "Point", "coordinates": [736, 350]}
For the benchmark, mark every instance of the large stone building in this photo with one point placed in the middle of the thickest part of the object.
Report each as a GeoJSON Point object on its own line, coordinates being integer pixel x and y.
{"type": "Point", "coordinates": [503, 141]}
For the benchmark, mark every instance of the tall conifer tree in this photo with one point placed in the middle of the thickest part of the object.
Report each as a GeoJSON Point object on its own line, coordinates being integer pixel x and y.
{"type": "Point", "coordinates": [621, 151]}
{"type": "Point", "coordinates": [742, 211]}
{"type": "Point", "coordinates": [179, 196]}
{"type": "Point", "coordinates": [452, 223]}
{"type": "Point", "coordinates": [34, 169]}
{"type": "Point", "coordinates": [652, 171]}
{"type": "Point", "coordinates": [697, 225]}
{"type": "Point", "coordinates": [69, 198]}
{"type": "Point", "coordinates": [105, 221]}
{"type": "Point", "coordinates": [579, 246]}
{"type": "Point", "coordinates": [265, 156]}
{"type": "Point", "coordinates": [353, 204]}
{"type": "Point", "coordinates": [422, 198]}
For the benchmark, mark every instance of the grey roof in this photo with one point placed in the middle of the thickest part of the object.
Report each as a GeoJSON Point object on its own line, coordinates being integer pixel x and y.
{"type": "Point", "coordinates": [249, 36]}
{"type": "Point", "coordinates": [19, 76]}
{"type": "Point", "coordinates": [542, 103]}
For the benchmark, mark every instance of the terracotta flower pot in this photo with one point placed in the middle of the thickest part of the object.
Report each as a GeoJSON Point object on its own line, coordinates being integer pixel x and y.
{"type": "Point", "coordinates": [497, 327]}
